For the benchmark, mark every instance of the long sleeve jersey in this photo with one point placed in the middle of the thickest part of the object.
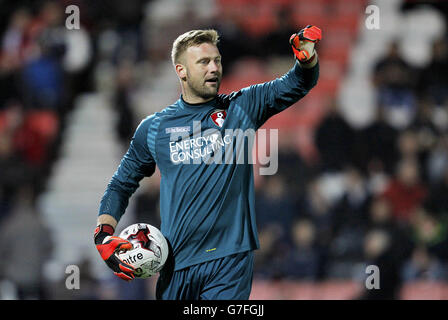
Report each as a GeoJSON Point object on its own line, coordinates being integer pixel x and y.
{"type": "Point", "coordinates": [207, 194]}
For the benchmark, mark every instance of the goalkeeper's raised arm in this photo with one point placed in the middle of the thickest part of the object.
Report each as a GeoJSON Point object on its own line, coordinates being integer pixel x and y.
{"type": "Point", "coordinates": [262, 101]}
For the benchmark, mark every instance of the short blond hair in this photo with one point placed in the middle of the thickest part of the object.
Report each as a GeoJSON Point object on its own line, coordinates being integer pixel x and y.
{"type": "Point", "coordinates": [192, 38]}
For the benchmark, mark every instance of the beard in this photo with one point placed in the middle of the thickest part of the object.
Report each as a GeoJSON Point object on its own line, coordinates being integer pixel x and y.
{"type": "Point", "coordinates": [201, 88]}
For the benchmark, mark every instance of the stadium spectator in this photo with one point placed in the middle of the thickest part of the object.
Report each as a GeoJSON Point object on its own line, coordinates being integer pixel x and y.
{"type": "Point", "coordinates": [405, 192]}
{"type": "Point", "coordinates": [437, 201]}
{"type": "Point", "coordinates": [423, 266]}
{"type": "Point", "coordinates": [377, 178]}
{"type": "Point", "coordinates": [436, 161]}
{"type": "Point", "coordinates": [430, 255]}
{"type": "Point", "coordinates": [381, 218]}
{"type": "Point", "coordinates": [295, 171]}
{"type": "Point", "coordinates": [433, 80]}
{"type": "Point", "coordinates": [428, 136]}
{"type": "Point", "coordinates": [375, 145]}
{"type": "Point", "coordinates": [430, 231]}
{"type": "Point", "coordinates": [147, 204]}
{"type": "Point", "coordinates": [15, 168]}
{"type": "Point", "coordinates": [125, 118]}
{"type": "Point", "coordinates": [392, 77]}
{"type": "Point", "coordinates": [28, 253]}
{"type": "Point", "coordinates": [274, 197]}
{"type": "Point", "coordinates": [284, 27]}
{"type": "Point", "coordinates": [313, 204]}
{"type": "Point", "coordinates": [378, 251]}
{"type": "Point", "coordinates": [12, 55]}
{"type": "Point", "coordinates": [334, 139]}
{"type": "Point", "coordinates": [392, 71]}
{"type": "Point", "coordinates": [303, 259]}
{"type": "Point", "coordinates": [270, 258]}
{"type": "Point", "coordinates": [351, 210]}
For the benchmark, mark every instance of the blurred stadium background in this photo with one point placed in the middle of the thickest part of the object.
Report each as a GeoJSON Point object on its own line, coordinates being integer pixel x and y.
{"type": "Point", "coordinates": [363, 159]}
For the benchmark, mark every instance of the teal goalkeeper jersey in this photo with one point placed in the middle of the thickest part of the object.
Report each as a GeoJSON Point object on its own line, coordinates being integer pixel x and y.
{"type": "Point", "coordinates": [207, 194]}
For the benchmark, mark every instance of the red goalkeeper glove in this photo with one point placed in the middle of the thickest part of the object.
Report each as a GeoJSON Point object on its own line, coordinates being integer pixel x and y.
{"type": "Point", "coordinates": [108, 245]}
{"type": "Point", "coordinates": [303, 43]}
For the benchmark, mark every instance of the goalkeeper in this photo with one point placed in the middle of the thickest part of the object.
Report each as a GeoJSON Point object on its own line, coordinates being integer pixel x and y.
{"type": "Point", "coordinates": [207, 209]}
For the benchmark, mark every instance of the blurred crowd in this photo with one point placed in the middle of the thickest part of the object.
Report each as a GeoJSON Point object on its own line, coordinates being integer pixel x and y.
{"type": "Point", "coordinates": [375, 195]}
{"type": "Point", "coordinates": [34, 98]}
{"type": "Point", "coordinates": [44, 67]}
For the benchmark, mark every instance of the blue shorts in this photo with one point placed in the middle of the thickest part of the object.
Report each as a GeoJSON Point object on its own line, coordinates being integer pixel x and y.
{"type": "Point", "coordinates": [227, 278]}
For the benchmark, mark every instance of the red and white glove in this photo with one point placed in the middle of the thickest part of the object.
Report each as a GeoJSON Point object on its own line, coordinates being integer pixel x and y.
{"type": "Point", "coordinates": [303, 43]}
{"type": "Point", "coordinates": [107, 245]}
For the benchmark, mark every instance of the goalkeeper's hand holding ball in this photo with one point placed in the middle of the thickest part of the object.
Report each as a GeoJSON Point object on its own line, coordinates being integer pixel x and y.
{"type": "Point", "coordinates": [107, 245]}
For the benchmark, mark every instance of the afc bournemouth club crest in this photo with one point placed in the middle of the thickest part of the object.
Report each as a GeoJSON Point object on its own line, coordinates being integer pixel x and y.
{"type": "Point", "coordinates": [218, 117]}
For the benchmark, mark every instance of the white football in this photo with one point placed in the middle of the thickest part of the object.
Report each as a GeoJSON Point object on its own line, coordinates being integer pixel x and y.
{"type": "Point", "coordinates": [150, 249]}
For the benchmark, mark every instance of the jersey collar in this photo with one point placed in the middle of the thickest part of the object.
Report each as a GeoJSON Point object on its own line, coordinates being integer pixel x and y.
{"type": "Point", "coordinates": [197, 107]}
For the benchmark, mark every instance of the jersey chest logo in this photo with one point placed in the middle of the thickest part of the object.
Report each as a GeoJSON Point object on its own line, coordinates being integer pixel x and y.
{"type": "Point", "coordinates": [218, 117]}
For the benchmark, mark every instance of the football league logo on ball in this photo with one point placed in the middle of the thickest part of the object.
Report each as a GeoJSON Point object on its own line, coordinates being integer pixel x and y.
{"type": "Point", "coordinates": [218, 117]}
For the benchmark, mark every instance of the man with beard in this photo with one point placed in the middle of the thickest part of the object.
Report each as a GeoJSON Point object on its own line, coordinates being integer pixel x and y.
{"type": "Point", "coordinates": [206, 203]}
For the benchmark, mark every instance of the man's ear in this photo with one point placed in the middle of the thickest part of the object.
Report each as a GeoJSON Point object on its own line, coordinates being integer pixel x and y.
{"type": "Point", "coordinates": [181, 72]}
